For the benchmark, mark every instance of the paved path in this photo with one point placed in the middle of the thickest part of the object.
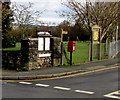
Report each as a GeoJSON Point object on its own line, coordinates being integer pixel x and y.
{"type": "Point", "coordinates": [56, 71]}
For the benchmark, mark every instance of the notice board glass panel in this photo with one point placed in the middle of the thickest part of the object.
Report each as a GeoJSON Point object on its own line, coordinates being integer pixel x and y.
{"type": "Point", "coordinates": [47, 43]}
{"type": "Point", "coordinates": [40, 44]}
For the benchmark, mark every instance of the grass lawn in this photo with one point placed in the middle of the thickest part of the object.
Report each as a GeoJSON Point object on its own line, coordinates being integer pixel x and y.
{"type": "Point", "coordinates": [82, 52]}
{"type": "Point", "coordinates": [17, 47]}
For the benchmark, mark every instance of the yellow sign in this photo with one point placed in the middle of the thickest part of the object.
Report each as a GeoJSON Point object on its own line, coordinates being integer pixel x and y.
{"type": "Point", "coordinates": [64, 32]}
{"type": "Point", "coordinates": [95, 35]}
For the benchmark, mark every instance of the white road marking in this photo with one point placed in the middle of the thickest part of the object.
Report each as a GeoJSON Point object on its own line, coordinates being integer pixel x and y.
{"type": "Point", "coordinates": [62, 88]}
{"type": "Point", "coordinates": [113, 95]}
{"type": "Point", "coordinates": [81, 91]}
{"type": "Point", "coordinates": [25, 82]}
{"type": "Point", "coordinates": [43, 85]}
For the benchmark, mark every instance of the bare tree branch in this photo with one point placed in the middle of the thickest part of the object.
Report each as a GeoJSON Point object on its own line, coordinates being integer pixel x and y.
{"type": "Point", "coordinates": [103, 14]}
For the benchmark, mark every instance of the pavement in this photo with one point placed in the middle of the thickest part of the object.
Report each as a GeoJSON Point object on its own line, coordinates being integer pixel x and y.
{"type": "Point", "coordinates": [51, 72]}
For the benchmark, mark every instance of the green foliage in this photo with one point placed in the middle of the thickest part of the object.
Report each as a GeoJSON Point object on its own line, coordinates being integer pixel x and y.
{"type": "Point", "coordinates": [7, 17]}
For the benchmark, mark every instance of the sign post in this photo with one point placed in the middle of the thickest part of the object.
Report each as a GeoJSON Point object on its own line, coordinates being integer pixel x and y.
{"type": "Point", "coordinates": [63, 32]}
{"type": "Point", "coordinates": [96, 38]}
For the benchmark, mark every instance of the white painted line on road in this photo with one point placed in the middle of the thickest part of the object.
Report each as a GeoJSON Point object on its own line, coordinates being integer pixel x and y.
{"type": "Point", "coordinates": [81, 91]}
{"type": "Point", "coordinates": [115, 95]}
{"type": "Point", "coordinates": [25, 82]}
{"type": "Point", "coordinates": [62, 88]}
{"type": "Point", "coordinates": [43, 85]}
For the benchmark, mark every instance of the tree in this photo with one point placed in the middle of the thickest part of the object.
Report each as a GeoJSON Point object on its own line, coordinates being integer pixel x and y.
{"type": "Point", "coordinates": [0, 20]}
{"type": "Point", "coordinates": [57, 30]}
{"type": "Point", "coordinates": [24, 17]}
{"type": "Point", "coordinates": [31, 32]}
{"type": "Point", "coordinates": [81, 33]}
{"type": "Point", "coordinates": [7, 19]}
{"type": "Point", "coordinates": [89, 13]}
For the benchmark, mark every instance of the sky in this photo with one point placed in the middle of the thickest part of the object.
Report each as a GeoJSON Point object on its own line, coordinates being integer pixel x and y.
{"type": "Point", "coordinates": [50, 6]}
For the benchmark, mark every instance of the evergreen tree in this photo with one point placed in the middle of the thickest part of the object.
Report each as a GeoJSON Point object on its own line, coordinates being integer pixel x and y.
{"type": "Point", "coordinates": [7, 18]}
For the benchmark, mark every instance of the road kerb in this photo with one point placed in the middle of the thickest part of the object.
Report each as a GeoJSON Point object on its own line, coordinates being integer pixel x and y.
{"type": "Point", "coordinates": [51, 75]}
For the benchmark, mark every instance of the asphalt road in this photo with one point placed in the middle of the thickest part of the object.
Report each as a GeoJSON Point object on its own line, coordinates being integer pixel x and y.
{"type": "Point", "coordinates": [102, 84]}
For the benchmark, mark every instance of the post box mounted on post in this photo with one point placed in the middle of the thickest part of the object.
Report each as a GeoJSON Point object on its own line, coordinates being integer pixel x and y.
{"type": "Point", "coordinates": [71, 48]}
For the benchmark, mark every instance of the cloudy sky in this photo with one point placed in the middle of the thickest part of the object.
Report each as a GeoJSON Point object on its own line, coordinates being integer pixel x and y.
{"type": "Point", "coordinates": [50, 6]}
{"type": "Point", "coordinates": [50, 16]}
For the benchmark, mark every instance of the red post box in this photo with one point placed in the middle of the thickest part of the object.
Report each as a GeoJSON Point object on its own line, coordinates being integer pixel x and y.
{"type": "Point", "coordinates": [71, 46]}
